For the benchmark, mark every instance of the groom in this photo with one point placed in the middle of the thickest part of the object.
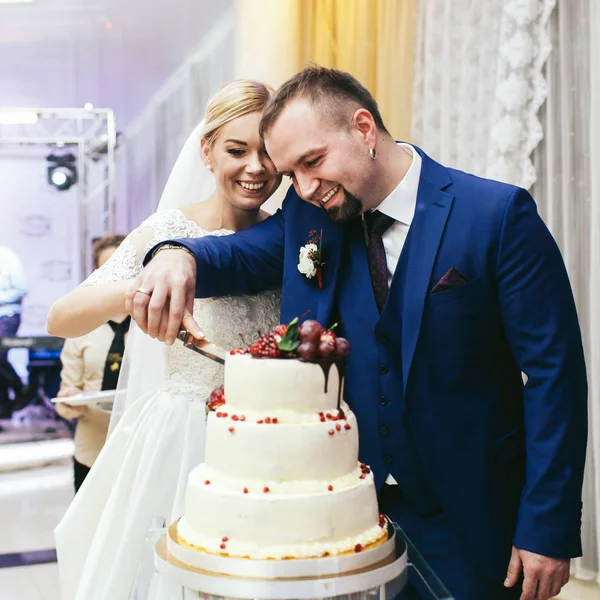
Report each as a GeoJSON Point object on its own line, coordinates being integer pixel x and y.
{"type": "Point", "coordinates": [448, 287]}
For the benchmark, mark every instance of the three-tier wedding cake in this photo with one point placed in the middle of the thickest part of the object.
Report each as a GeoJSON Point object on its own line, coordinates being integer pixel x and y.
{"type": "Point", "coordinates": [282, 477]}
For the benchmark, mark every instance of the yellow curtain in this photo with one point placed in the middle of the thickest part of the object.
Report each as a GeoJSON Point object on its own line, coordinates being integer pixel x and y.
{"type": "Point", "coordinates": [372, 39]}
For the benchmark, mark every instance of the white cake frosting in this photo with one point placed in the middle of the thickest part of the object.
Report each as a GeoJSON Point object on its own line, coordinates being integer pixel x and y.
{"type": "Point", "coordinates": [281, 477]}
{"type": "Point", "coordinates": [263, 385]}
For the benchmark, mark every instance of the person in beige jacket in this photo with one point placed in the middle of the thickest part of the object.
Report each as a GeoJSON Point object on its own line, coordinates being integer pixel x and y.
{"type": "Point", "coordinates": [91, 363]}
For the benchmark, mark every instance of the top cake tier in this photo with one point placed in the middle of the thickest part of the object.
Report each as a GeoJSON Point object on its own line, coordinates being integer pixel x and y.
{"type": "Point", "coordinates": [262, 385]}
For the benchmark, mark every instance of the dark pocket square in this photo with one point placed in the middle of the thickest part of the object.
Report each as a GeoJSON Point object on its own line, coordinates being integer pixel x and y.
{"type": "Point", "coordinates": [453, 278]}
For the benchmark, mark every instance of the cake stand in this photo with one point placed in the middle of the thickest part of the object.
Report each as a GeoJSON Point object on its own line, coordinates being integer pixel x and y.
{"type": "Point", "coordinates": [380, 572]}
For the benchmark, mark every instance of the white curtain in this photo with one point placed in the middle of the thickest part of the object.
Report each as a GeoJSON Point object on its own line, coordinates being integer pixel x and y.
{"type": "Point", "coordinates": [152, 143]}
{"type": "Point", "coordinates": [479, 84]}
{"type": "Point", "coordinates": [567, 191]}
{"type": "Point", "coordinates": [511, 90]}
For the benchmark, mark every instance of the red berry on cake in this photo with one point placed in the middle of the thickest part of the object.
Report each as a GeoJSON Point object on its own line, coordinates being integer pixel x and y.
{"type": "Point", "coordinates": [326, 349]}
{"type": "Point", "coordinates": [216, 398]}
{"type": "Point", "coordinates": [342, 347]}
{"type": "Point", "coordinates": [266, 346]}
{"type": "Point", "coordinates": [225, 539]}
{"type": "Point", "coordinates": [328, 336]}
{"type": "Point", "coordinates": [358, 548]}
{"type": "Point", "coordinates": [330, 488]}
{"type": "Point", "coordinates": [311, 331]}
{"type": "Point", "coordinates": [245, 490]}
{"type": "Point", "coordinates": [238, 351]}
{"type": "Point", "coordinates": [275, 420]}
{"type": "Point", "coordinates": [207, 482]}
{"type": "Point", "coordinates": [331, 432]}
{"type": "Point", "coordinates": [231, 429]}
{"type": "Point", "coordinates": [280, 330]}
{"type": "Point", "coordinates": [338, 427]}
{"type": "Point", "coordinates": [266, 490]}
{"type": "Point", "coordinates": [217, 393]}
{"type": "Point", "coordinates": [347, 426]}
{"type": "Point", "coordinates": [223, 546]}
{"type": "Point", "coordinates": [307, 351]}
{"type": "Point", "coordinates": [267, 420]}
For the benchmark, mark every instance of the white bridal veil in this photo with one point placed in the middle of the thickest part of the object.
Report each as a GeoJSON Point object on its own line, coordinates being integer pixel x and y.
{"type": "Point", "coordinates": [144, 364]}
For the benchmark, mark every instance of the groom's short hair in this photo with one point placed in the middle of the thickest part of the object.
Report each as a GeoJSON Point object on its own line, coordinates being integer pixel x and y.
{"type": "Point", "coordinates": [329, 89]}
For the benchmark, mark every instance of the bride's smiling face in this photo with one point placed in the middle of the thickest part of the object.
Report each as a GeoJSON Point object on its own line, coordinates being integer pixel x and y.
{"type": "Point", "coordinates": [245, 174]}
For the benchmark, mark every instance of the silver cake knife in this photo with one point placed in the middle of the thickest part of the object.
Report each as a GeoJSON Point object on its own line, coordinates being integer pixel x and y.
{"type": "Point", "coordinates": [204, 347]}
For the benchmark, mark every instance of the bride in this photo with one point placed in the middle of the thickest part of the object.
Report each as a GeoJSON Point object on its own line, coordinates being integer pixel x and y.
{"type": "Point", "coordinates": [158, 422]}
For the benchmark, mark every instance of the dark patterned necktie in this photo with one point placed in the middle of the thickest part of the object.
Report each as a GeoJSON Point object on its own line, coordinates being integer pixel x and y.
{"type": "Point", "coordinates": [377, 224]}
{"type": "Point", "coordinates": [112, 367]}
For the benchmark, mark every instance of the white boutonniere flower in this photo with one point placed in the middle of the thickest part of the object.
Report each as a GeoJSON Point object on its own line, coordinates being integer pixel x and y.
{"type": "Point", "coordinates": [310, 262]}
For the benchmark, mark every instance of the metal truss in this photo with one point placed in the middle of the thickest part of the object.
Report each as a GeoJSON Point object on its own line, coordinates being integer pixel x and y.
{"type": "Point", "coordinates": [93, 132]}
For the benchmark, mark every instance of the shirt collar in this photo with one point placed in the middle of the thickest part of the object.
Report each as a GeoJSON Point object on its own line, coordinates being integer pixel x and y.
{"type": "Point", "coordinates": [401, 203]}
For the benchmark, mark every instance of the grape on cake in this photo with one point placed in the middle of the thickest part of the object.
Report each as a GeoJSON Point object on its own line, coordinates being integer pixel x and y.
{"type": "Point", "coordinates": [282, 478]}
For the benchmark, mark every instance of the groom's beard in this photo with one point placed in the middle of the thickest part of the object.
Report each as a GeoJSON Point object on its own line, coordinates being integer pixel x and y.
{"type": "Point", "coordinates": [350, 207]}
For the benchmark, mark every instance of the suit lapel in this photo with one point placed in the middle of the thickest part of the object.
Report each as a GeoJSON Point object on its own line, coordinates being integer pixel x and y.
{"type": "Point", "coordinates": [331, 251]}
{"type": "Point", "coordinates": [427, 228]}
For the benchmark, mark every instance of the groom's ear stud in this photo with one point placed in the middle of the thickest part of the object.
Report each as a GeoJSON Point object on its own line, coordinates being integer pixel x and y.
{"type": "Point", "coordinates": [373, 153]}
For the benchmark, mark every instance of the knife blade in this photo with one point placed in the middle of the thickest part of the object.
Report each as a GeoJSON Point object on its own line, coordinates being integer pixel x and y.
{"type": "Point", "coordinates": [204, 347]}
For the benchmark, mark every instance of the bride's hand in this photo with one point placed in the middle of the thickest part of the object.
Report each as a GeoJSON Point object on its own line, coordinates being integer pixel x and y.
{"type": "Point", "coordinates": [161, 298]}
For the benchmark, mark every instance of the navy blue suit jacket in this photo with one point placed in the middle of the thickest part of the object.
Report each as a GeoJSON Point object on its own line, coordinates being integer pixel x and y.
{"type": "Point", "coordinates": [505, 459]}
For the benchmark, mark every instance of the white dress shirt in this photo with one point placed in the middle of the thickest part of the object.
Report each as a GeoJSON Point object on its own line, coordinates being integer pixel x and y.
{"type": "Point", "coordinates": [400, 205]}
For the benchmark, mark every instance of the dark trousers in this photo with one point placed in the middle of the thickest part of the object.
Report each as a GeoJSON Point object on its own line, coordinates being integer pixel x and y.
{"type": "Point", "coordinates": [9, 380]}
{"type": "Point", "coordinates": [79, 474]}
{"type": "Point", "coordinates": [439, 545]}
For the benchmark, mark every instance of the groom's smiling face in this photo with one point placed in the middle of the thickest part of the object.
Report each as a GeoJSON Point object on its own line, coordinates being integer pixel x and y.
{"type": "Point", "coordinates": [326, 156]}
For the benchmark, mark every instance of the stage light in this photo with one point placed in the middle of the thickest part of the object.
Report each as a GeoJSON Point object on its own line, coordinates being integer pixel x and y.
{"type": "Point", "coordinates": [18, 117]}
{"type": "Point", "coordinates": [63, 173]}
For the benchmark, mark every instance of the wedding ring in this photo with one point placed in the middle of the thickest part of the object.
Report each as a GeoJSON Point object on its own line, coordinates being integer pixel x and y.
{"type": "Point", "coordinates": [141, 291]}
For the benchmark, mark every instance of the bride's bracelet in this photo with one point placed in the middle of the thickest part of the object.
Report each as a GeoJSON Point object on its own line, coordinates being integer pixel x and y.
{"type": "Point", "coordinates": [172, 247]}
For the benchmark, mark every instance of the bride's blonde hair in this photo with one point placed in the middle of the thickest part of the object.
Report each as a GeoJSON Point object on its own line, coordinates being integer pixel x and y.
{"type": "Point", "coordinates": [236, 99]}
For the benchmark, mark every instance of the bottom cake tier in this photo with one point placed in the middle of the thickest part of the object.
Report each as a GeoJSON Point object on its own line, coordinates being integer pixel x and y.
{"type": "Point", "coordinates": [274, 525]}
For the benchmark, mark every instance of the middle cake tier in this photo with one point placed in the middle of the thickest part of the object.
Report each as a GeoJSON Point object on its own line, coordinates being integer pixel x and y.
{"type": "Point", "coordinates": [282, 447]}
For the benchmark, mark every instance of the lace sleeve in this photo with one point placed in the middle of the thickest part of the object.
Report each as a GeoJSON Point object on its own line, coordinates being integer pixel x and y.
{"type": "Point", "coordinates": [126, 262]}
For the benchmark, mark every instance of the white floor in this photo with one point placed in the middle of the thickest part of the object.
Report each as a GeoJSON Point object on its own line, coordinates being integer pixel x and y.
{"type": "Point", "coordinates": [32, 501]}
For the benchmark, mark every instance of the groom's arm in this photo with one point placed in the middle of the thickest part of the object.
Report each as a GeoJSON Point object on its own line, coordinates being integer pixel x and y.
{"type": "Point", "coordinates": [244, 263]}
{"type": "Point", "coordinates": [541, 325]}
{"type": "Point", "coordinates": [161, 299]}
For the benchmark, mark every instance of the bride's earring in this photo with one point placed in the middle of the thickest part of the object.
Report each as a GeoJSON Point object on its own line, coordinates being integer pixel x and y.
{"type": "Point", "coordinates": [373, 153]}
{"type": "Point", "coordinates": [209, 166]}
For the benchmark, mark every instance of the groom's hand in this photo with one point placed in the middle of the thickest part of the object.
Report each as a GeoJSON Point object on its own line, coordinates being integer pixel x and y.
{"type": "Point", "coordinates": [161, 299]}
{"type": "Point", "coordinates": [543, 576]}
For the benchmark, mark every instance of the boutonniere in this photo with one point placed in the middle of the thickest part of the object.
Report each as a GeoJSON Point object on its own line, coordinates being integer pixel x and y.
{"type": "Point", "coordinates": [310, 261]}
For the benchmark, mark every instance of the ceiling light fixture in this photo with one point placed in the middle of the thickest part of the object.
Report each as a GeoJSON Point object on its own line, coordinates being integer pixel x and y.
{"type": "Point", "coordinates": [62, 173]}
{"type": "Point", "coordinates": [18, 117]}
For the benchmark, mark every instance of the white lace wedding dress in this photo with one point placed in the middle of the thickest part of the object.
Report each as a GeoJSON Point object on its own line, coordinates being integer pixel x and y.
{"type": "Point", "coordinates": [142, 470]}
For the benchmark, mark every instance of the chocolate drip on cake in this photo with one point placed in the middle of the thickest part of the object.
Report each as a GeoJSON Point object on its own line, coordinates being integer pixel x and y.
{"type": "Point", "coordinates": [341, 367]}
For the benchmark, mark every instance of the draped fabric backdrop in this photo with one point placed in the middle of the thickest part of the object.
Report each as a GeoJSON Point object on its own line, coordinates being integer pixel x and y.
{"type": "Point", "coordinates": [153, 142]}
{"type": "Point", "coordinates": [567, 192]}
{"type": "Point", "coordinates": [479, 84]}
{"type": "Point", "coordinates": [511, 90]}
{"type": "Point", "coordinates": [372, 39]}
